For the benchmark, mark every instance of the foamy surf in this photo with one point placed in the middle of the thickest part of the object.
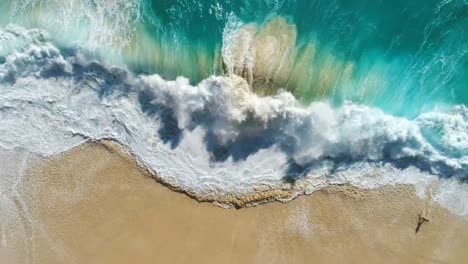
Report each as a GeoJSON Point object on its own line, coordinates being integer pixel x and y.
{"type": "Point", "coordinates": [218, 138]}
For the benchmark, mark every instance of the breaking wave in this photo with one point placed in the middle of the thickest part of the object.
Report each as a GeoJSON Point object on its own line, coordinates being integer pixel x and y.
{"type": "Point", "coordinates": [218, 136]}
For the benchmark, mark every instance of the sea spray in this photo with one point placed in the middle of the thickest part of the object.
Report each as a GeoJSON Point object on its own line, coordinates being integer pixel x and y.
{"type": "Point", "coordinates": [219, 137]}
{"type": "Point", "coordinates": [402, 57]}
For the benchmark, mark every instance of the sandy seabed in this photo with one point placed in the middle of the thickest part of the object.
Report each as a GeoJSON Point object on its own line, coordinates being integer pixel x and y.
{"type": "Point", "coordinates": [95, 205]}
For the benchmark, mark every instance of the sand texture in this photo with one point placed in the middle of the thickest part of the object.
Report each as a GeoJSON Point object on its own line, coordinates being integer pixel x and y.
{"type": "Point", "coordinates": [93, 204]}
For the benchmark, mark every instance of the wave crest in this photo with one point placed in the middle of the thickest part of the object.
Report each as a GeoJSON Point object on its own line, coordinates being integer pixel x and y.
{"type": "Point", "coordinates": [217, 136]}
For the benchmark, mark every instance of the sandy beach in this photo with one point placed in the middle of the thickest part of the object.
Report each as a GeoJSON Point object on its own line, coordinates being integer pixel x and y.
{"type": "Point", "coordinates": [95, 205]}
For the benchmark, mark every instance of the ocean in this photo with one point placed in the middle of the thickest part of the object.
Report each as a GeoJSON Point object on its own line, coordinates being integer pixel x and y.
{"type": "Point", "coordinates": [222, 97]}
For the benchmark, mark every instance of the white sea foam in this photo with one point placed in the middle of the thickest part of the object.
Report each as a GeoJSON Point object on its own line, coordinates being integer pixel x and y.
{"type": "Point", "coordinates": [113, 23]}
{"type": "Point", "coordinates": [218, 136]}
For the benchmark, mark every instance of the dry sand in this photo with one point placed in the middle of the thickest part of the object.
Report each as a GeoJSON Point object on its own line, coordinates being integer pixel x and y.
{"type": "Point", "coordinates": [94, 205]}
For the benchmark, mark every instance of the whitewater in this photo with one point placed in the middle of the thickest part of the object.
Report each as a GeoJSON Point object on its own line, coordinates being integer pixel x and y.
{"type": "Point", "coordinates": [240, 97]}
{"type": "Point", "coordinates": [218, 137]}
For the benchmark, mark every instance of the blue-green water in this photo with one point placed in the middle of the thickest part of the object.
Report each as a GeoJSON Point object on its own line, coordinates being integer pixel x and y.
{"type": "Point", "coordinates": [362, 92]}
{"type": "Point", "coordinates": [401, 56]}
{"type": "Point", "coordinates": [418, 49]}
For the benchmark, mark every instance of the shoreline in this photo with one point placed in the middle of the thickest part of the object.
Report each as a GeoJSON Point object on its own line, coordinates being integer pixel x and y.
{"type": "Point", "coordinates": [284, 193]}
{"type": "Point", "coordinates": [233, 200]}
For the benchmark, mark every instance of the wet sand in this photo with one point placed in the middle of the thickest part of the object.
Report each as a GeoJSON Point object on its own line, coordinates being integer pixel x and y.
{"type": "Point", "coordinates": [94, 205]}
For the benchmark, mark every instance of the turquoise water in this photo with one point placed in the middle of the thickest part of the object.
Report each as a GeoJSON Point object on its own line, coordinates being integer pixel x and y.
{"type": "Point", "coordinates": [404, 57]}
{"type": "Point", "coordinates": [417, 50]}
{"type": "Point", "coordinates": [340, 89]}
